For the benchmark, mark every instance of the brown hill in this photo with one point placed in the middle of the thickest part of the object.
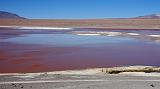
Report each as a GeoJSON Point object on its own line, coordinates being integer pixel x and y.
{"type": "Point", "coordinates": [8, 15]}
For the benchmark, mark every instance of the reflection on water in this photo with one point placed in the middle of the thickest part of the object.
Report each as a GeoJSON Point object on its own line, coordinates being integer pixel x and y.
{"type": "Point", "coordinates": [47, 50]}
{"type": "Point", "coordinates": [68, 39]}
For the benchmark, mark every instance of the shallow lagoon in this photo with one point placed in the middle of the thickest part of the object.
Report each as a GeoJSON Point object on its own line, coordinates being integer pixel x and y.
{"type": "Point", "coordinates": [49, 50]}
{"type": "Point", "coordinates": [69, 40]}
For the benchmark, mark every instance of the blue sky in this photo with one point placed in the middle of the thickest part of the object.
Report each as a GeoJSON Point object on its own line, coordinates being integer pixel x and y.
{"type": "Point", "coordinates": [80, 9]}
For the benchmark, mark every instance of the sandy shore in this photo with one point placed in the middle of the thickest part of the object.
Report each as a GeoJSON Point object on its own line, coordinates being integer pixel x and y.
{"type": "Point", "coordinates": [133, 70]}
{"type": "Point", "coordinates": [81, 79]}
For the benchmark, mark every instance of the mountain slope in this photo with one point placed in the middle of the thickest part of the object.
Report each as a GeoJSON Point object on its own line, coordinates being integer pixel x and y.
{"type": "Point", "coordinates": [8, 15]}
{"type": "Point", "coordinates": [152, 16]}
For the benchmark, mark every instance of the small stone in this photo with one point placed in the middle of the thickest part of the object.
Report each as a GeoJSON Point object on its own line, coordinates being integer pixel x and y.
{"type": "Point", "coordinates": [152, 85]}
{"type": "Point", "coordinates": [14, 85]}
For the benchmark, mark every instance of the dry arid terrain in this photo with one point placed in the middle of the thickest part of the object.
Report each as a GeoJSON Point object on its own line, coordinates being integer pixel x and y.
{"type": "Point", "coordinates": [86, 23]}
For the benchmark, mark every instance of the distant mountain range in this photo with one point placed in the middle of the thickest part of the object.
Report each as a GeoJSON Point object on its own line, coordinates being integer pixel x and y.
{"type": "Point", "coordinates": [152, 16]}
{"type": "Point", "coordinates": [8, 15]}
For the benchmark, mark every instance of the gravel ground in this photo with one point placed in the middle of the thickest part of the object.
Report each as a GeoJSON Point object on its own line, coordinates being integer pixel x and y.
{"type": "Point", "coordinates": [78, 81]}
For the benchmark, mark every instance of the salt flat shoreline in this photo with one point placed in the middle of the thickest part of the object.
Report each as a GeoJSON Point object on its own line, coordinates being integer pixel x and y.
{"type": "Point", "coordinates": [71, 27]}
{"type": "Point", "coordinates": [126, 70]}
{"type": "Point", "coordinates": [95, 31]}
{"type": "Point", "coordinates": [93, 78]}
{"type": "Point", "coordinates": [35, 27]}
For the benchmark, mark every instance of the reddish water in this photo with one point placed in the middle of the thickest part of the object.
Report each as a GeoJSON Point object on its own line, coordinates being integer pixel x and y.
{"type": "Point", "coordinates": [59, 50]}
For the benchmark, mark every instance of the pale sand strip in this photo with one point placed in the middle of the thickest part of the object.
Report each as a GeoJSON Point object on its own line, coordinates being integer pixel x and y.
{"type": "Point", "coordinates": [63, 81]}
{"type": "Point", "coordinates": [98, 71]}
{"type": "Point", "coordinates": [27, 27]}
{"type": "Point", "coordinates": [134, 34]}
{"type": "Point", "coordinates": [107, 33]}
{"type": "Point", "coordinates": [78, 72]}
{"type": "Point", "coordinates": [89, 34]}
{"type": "Point", "coordinates": [154, 35]}
{"type": "Point", "coordinates": [140, 74]}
